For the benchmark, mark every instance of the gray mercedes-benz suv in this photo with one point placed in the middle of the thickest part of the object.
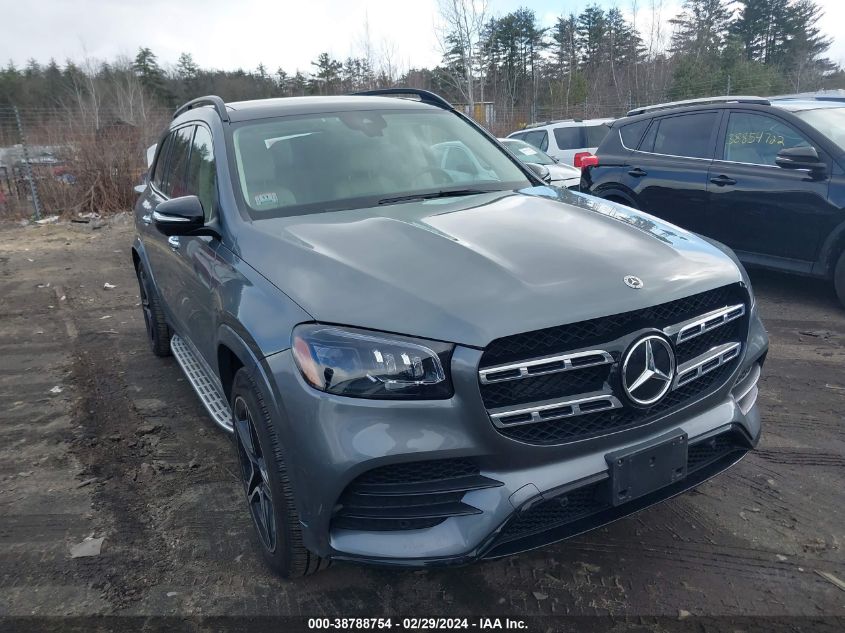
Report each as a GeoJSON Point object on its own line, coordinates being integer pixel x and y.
{"type": "Point", "coordinates": [428, 364]}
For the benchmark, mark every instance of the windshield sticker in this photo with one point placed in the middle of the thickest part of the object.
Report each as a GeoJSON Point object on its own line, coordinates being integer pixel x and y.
{"type": "Point", "coordinates": [264, 199]}
{"type": "Point", "coordinates": [753, 138]}
{"type": "Point", "coordinates": [527, 151]}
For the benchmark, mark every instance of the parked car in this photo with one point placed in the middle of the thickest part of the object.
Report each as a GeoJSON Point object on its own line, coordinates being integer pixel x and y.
{"type": "Point", "coordinates": [569, 140]}
{"type": "Point", "coordinates": [417, 371]}
{"type": "Point", "coordinates": [460, 163]}
{"type": "Point", "coordinates": [763, 176]}
{"type": "Point", "coordinates": [560, 175]}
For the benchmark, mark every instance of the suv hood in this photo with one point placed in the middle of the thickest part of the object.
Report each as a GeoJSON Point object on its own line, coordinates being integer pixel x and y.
{"type": "Point", "coordinates": [472, 269]}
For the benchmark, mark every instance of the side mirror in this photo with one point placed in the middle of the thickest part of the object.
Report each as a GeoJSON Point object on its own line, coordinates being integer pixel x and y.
{"type": "Point", "coordinates": [801, 158]}
{"type": "Point", "coordinates": [179, 216]}
{"type": "Point", "coordinates": [541, 171]}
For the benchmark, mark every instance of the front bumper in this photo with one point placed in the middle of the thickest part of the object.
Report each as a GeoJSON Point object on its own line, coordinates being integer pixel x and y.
{"type": "Point", "coordinates": [332, 440]}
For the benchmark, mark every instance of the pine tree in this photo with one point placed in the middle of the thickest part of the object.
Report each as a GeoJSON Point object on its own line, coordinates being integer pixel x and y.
{"type": "Point", "coordinates": [701, 28]}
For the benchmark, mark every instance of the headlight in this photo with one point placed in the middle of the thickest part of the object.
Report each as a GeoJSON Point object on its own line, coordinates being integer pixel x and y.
{"type": "Point", "coordinates": [362, 364]}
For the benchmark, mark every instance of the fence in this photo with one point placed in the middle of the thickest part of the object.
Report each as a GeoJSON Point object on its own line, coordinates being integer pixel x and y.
{"type": "Point", "coordinates": [63, 163]}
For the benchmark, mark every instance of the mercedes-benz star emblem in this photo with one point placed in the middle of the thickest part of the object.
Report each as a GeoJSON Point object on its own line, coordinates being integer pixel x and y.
{"type": "Point", "coordinates": [648, 370]}
{"type": "Point", "coordinates": [633, 282]}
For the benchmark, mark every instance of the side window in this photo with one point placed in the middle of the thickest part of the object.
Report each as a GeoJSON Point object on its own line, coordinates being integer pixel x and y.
{"type": "Point", "coordinates": [757, 139]}
{"type": "Point", "coordinates": [686, 135]}
{"type": "Point", "coordinates": [632, 133]}
{"type": "Point", "coordinates": [174, 179]}
{"type": "Point", "coordinates": [569, 137]}
{"type": "Point", "coordinates": [202, 176]}
{"type": "Point", "coordinates": [538, 138]}
{"type": "Point", "coordinates": [161, 163]}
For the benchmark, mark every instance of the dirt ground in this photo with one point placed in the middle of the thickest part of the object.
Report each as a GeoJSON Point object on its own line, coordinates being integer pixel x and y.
{"type": "Point", "coordinates": [100, 438]}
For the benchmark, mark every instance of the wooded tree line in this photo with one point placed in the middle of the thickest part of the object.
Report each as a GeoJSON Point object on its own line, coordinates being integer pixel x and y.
{"type": "Point", "coordinates": [595, 63]}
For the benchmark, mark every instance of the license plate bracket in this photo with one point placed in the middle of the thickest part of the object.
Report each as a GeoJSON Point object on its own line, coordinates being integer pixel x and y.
{"type": "Point", "coordinates": [641, 469]}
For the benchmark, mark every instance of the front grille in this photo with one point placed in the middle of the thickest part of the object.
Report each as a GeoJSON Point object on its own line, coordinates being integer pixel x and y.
{"type": "Point", "coordinates": [409, 496]}
{"type": "Point", "coordinates": [563, 338]}
{"type": "Point", "coordinates": [593, 498]}
{"type": "Point", "coordinates": [610, 336]}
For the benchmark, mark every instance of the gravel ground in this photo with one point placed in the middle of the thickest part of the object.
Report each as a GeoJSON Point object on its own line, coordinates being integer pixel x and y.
{"type": "Point", "coordinates": [99, 438]}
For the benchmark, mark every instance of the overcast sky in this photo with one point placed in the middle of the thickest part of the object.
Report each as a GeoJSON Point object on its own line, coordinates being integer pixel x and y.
{"type": "Point", "coordinates": [230, 34]}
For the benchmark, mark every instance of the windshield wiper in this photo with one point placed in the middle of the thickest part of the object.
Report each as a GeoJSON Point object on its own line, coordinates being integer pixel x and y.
{"type": "Point", "coordinates": [443, 193]}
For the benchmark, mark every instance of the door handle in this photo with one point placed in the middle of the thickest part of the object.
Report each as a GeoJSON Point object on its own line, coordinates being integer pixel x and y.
{"type": "Point", "coordinates": [173, 240]}
{"type": "Point", "coordinates": [637, 172]}
{"type": "Point", "coordinates": [147, 218]}
{"type": "Point", "coordinates": [722, 180]}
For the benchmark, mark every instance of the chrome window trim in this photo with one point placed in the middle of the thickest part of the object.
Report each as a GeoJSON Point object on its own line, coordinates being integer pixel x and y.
{"type": "Point", "coordinates": [722, 353]}
{"type": "Point", "coordinates": [535, 411]}
{"type": "Point", "coordinates": [525, 366]}
{"type": "Point", "coordinates": [677, 332]}
{"type": "Point", "coordinates": [639, 151]}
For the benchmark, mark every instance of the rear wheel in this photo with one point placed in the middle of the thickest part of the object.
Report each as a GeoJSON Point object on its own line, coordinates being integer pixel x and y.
{"type": "Point", "coordinates": [839, 278]}
{"type": "Point", "coordinates": [158, 331]}
{"type": "Point", "coordinates": [268, 492]}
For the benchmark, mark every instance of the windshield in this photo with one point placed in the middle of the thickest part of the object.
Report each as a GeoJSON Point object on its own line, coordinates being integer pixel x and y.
{"type": "Point", "coordinates": [829, 121]}
{"type": "Point", "coordinates": [345, 160]}
{"type": "Point", "coordinates": [528, 153]}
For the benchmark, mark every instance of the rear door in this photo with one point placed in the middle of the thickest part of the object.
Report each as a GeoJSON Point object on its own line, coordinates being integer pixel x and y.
{"type": "Point", "coordinates": [760, 208]}
{"type": "Point", "coordinates": [668, 172]}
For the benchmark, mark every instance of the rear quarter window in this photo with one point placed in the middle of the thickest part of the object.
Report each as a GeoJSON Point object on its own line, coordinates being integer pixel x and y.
{"type": "Point", "coordinates": [632, 133]}
{"type": "Point", "coordinates": [570, 137]}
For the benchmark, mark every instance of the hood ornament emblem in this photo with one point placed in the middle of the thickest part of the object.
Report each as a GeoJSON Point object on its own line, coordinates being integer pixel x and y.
{"type": "Point", "coordinates": [633, 282]}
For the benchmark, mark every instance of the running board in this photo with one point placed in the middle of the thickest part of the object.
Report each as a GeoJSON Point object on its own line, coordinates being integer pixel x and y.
{"type": "Point", "coordinates": [202, 383]}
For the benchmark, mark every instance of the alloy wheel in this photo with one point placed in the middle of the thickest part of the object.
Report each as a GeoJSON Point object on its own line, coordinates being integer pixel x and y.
{"type": "Point", "coordinates": [254, 475]}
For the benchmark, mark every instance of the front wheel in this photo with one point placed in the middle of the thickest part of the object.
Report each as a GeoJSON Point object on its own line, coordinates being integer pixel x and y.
{"type": "Point", "coordinates": [839, 278]}
{"type": "Point", "coordinates": [269, 494]}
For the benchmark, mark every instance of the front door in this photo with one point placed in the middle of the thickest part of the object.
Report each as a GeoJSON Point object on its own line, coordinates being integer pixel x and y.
{"type": "Point", "coordinates": [757, 207]}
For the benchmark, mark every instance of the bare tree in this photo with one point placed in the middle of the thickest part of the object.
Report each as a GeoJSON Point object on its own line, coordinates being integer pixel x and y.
{"type": "Point", "coordinates": [458, 34]}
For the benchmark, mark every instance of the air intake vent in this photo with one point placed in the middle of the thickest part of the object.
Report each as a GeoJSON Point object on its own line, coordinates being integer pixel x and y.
{"type": "Point", "coordinates": [409, 496]}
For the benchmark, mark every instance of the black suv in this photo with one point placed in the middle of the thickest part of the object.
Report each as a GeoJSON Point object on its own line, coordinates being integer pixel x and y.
{"type": "Point", "coordinates": [766, 177]}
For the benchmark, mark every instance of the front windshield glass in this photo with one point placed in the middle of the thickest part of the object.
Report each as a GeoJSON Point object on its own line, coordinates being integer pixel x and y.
{"type": "Point", "coordinates": [829, 121]}
{"type": "Point", "coordinates": [528, 153]}
{"type": "Point", "coordinates": [345, 160]}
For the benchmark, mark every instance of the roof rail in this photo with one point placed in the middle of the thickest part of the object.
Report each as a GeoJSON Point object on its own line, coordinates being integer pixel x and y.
{"type": "Point", "coordinates": [542, 123]}
{"type": "Point", "coordinates": [424, 96]}
{"type": "Point", "coordinates": [212, 100]}
{"type": "Point", "coordinates": [702, 101]}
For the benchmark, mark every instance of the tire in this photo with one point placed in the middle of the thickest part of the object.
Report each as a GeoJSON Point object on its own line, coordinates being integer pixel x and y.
{"type": "Point", "coordinates": [619, 200]}
{"type": "Point", "coordinates": [839, 278]}
{"type": "Point", "coordinates": [158, 332]}
{"type": "Point", "coordinates": [264, 477]}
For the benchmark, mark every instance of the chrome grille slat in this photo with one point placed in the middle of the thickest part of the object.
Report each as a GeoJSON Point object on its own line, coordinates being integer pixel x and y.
{"type": "Point", "coordinates": [705, 363]}
{"type": "Point", "coordinates": [688, 330]}
{"type": "Point", "coordinates": [575, 406]}
{"type": "Point", "coordinates": [529, 368]}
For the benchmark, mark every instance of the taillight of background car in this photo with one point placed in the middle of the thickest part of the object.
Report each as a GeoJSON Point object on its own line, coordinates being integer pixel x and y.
{"type": "Point", "coordinates": [585, 159]}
